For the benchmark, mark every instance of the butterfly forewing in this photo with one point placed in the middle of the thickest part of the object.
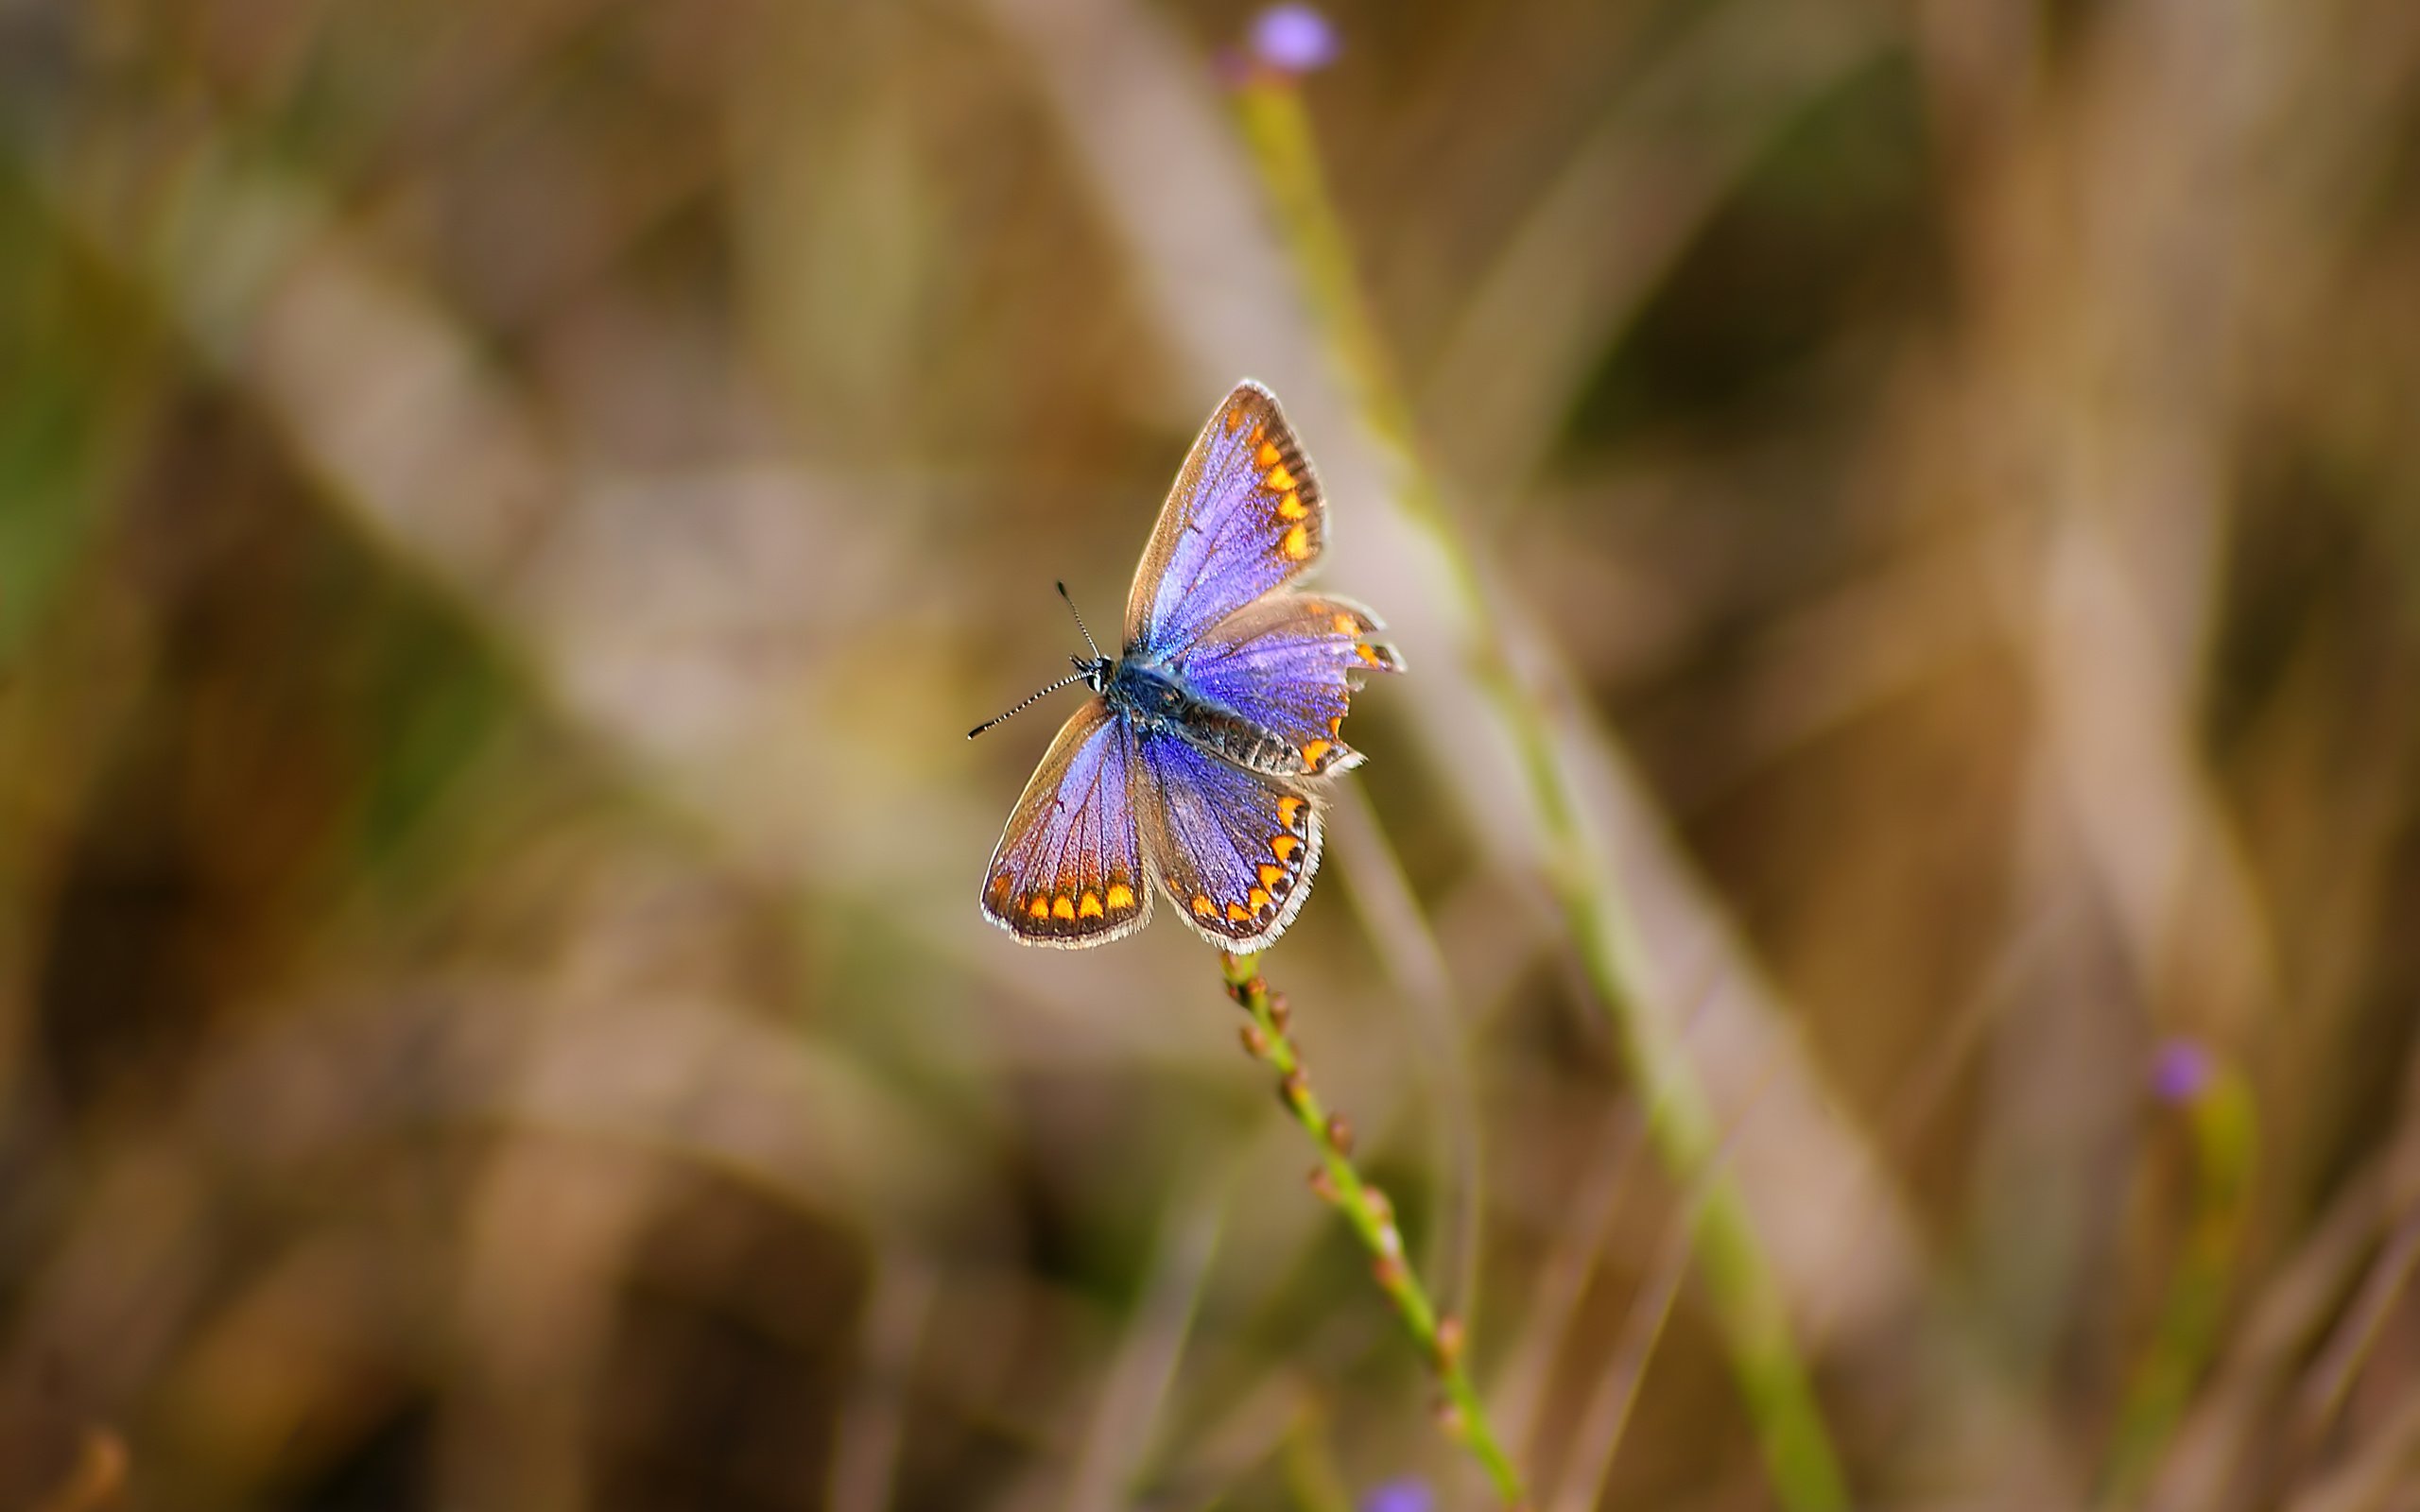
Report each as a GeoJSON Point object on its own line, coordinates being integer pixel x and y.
{"type": "Point", "coordinates": [1235, 851]}
{"type": "Point", "coordinates": [1290, 663]}
{"type": "Point", "coordinates": [1246, 516]}
{"type": "Point", "coordinates": [1069, 867]}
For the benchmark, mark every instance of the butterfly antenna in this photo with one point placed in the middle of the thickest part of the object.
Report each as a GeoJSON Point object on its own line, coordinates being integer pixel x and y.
{"type": "Point", "coordinates": [1079, 620]}
{"type": "Point", "coordinates": [1071, 678]}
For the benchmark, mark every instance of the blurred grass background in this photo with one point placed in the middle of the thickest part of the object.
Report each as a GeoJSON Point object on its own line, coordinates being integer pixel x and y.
{"type": "Point", "coordinates": [506, 512]}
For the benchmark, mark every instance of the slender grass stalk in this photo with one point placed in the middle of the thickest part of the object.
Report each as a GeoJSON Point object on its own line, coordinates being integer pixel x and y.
{"type": "Point", "coordinates": [1440, 1337]}
{"type": "Point", "coordinates": [2222, 1127]}
{"type": "Point", "coordinates": [1740, 1289]}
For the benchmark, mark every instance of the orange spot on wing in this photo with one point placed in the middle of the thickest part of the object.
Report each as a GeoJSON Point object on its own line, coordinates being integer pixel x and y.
{"type": "Point", "coordinates": [1370, 654]}
{"type": "Point", "coordinates": [1257, 431]}
{"type": "Point", "coordinates": [1258, 898]}
{"type": "Point", "coordinates": [1062, 906]}
{"type": "Point", "coordinates": [1278, 479]}
{"type": "Point", "coordinates": [1312, 752]}
{"type": "Point", "coordinates": [1297, 543]}
{"type": "Point", "coordinates": [1284, 845]}
{"type": "Point", "coordinates": [1335, 726]}
{"type": "Point", "coordinates": [1347, 625]}
{"type": "Point", "coordinates": [1088, 906]}
{"type": "Point", "coordinates": [1287, 808]}
{"type": "Point", "coordinates": [1269, 455]}
{"type": "Point", "coordinates": [1039, 907]}
{"type": "Point", "coordinates": [1235, 419]}
{"type": "Point", "coordinates": [1120, 895]}
{"type": "Point", "coordinates": [1202, 908]}
{"type": "Point", "coordinates": [1270, 876]}
{"type": "Point", "coordinates": [1237, 913]}
{"type": "Point", "coordinates": [1292, 507]}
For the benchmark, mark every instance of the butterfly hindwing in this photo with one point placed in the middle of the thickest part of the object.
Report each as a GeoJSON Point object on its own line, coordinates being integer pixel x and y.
{"type": "Point", "coordinates": [1246, 516]}
{"type": "Point", "coordinates": [1234, 850]}
{"type": "Point", "coordinates": [1290, 663]}
{"type": "Point", "coordinates": [1068, 869]}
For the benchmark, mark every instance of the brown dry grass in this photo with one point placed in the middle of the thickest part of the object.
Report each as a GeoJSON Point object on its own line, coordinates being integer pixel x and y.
{"type": "Point", "coordinates": [506, 511]}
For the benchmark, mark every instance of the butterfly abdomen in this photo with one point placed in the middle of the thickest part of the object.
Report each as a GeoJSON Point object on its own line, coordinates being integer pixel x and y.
{"type": "Point", "coordinates": [1236, 739]}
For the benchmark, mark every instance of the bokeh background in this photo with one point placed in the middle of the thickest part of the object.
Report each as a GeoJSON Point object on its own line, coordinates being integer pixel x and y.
{"type": "Point", "coordinates": [507, 511]}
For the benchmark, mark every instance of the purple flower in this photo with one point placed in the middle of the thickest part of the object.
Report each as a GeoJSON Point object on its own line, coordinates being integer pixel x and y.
{"type": "Point", "coordinates": [1294, 39]}
{"type": "Point", "coordinates": [2182, 1070]}
{"type": "Point", "coordinates": [1409, 1494]}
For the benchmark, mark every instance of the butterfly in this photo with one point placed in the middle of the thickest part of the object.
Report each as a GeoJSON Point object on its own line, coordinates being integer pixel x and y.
{"type": "Point", "coordinates": [1191, 769]}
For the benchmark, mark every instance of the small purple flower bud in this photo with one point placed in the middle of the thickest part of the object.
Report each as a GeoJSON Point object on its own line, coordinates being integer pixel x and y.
{"type": "Point", "coordinates": [2182, 1070]}
{"type": "Point", "coordinates": [1294, 39]}
{"type": "Point", "coordinates": [1410, 1494]}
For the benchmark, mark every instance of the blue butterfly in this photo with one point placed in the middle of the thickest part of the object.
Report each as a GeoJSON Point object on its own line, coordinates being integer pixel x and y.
{"type": "Point", "coordinates": [1188, 769]}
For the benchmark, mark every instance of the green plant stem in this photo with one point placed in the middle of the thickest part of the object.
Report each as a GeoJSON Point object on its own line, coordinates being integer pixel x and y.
{"type": "Point", "coordinates": [1439, 1336]}
{"type": "Point", "coordinates": [2222, 1127]}
{"type": "Point", "coordinates": [1741, 1291]}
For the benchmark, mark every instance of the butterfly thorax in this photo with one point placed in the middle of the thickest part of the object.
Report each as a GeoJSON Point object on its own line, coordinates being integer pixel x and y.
{"type": "Point", "coordinates": [1153, 698]}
